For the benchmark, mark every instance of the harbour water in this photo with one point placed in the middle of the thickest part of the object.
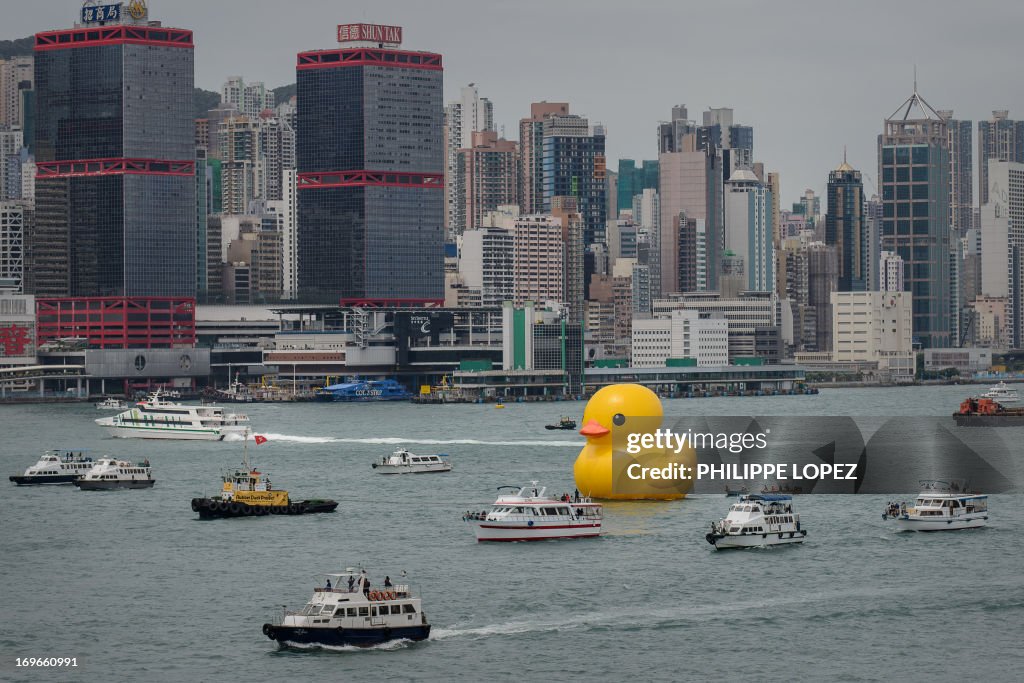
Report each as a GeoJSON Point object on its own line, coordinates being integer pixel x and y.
{"type": "Point", "coordinates": [135, 587]}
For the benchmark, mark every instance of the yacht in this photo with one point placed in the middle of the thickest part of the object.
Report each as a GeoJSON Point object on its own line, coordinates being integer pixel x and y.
{"type": "Point", "coordinates": [111, 403]}
{"type": "Point", "coordinates": [528, 514]}
{"type": "Point", "coordinates": [55, 467]}
{"type": "Point", "coordinates": [940, 506]}
{"type": "Point", "coordinates": [156, 418]}
{"type": "Point", "coordinates": [404, 462]}
{"type": "Point", "coordinates": [758, 520]}
{"type": "Point", "coordinates": [1002, 393]}
{"type": "Point", "coordinates": [111, 473]}
{"type": "Point", "coordinates": [350, 611]}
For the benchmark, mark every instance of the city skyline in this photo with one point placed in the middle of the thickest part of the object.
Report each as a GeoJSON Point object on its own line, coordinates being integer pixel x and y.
{"type": "Point", "coordinates": [780, 65]}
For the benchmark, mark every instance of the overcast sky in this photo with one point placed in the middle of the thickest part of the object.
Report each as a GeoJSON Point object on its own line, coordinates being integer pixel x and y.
{"type": "Point", "coordinates": [809, 76]}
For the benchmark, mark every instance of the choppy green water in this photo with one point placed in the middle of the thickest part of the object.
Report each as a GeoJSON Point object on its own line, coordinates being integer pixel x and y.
{"type": "Point", "coordinates": [137, 588]}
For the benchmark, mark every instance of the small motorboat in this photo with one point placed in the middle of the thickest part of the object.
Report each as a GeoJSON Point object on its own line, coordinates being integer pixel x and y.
{"type": "Point", "coordinates": [757, 520]}
{"type": "Point", "coordinates": [530, 515]}
{"type": "Point", "coordinates": [404, 462]}
{"type": "Point", "coordinates": [1002, 393]}
{"type": "Point", "coordinates": [735, 492]}
{"type": "Point", "coordinates": [112, 403]}
{"type": "Point", "coordinates": [940, 506]}
{"type": "Point", "coordinates": [563, 423]}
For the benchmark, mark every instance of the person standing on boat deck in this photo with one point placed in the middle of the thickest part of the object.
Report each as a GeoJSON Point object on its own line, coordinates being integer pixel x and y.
{"type": "Point", "coordinates": [328, 585]}
{"type": "Point", "coordinates": [351, 584]}
{"type": "Point", "coordinates": [387, 582]}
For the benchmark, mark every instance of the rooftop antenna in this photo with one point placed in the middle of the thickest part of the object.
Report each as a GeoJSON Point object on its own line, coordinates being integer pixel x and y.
{"type": "Point", "coordinates": [844, 154]}
{"type": "Point", "coordinates": [915, 78]}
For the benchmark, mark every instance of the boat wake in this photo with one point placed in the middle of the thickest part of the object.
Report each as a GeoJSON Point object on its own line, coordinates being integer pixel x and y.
{"type": "Point", "coordinates": [397, 440]}
{"type": "Point", "coordinates": [390, 645]}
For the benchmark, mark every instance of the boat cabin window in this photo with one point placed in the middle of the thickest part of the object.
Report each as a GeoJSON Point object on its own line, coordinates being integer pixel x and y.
{"type": "Point", "coordinates": [550, 511]}
{"type": "Point", "coordinates": [364, 611]}
{"type": "Point", "coordinates": [350, 612]}
{"type": "Point", "coordinates": [564, 511]}
{"type": "Point", "coordinates": [340, 612]}
{"type": "Point", "coordinates": [408, 609]}
{"type": "Point", "coordinates": [396, 609]}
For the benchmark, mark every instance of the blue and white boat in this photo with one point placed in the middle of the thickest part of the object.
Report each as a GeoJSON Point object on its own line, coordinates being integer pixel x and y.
{"type": "Point", "coordinates": [758, 520]}
{"type": "Point", "coordinates": [364, 390]}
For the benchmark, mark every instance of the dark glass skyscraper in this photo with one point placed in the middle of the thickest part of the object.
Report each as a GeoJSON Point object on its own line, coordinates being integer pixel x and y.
{"type": "Point", "coordinates": [914, 166]}
{"type": "Point", "coordinates": [115, 154]}
{"type": "Point", "coordinates": [370, 155]}
{"type": "Point", "coordinates": [845, 228]}
{"type": "Point", "coordinates": [574, 166]}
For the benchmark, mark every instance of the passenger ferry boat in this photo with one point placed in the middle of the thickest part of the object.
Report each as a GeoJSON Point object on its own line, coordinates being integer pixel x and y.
{"type": "Point", "coordinates": [404, 462]}
{"type": "Point", "coordinates": [531, 515]}
{"type": "Point", "coordinates": [1002, 393]}
{"type": "Point", "coordinates": [55, 467]}
{"type": "Point", "coordinates": [111, 473]}
{"type": "Point", "coordinates": [246, 492]}
{"type": "Point", "coordinates": [112, 403]}
{"type": "Point", "coordinates": [941, 506]}
{"type": "Point", "coordinates": [364, 390]}
{"type": "Point", "coordinates": [758, 520]}
{"type": "Point", "coordinates": [155, 418]}
{"type": "Point", "coordinates": [349, 611]}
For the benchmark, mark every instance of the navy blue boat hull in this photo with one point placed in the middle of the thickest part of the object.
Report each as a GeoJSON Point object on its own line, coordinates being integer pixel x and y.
{"type": "Point", "coordinates": [339, 637]}
{"type": "Point", "coordinates": [45, 479]}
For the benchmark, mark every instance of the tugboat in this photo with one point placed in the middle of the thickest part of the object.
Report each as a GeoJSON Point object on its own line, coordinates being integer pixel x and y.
{"type": "Point", "coordinates": [348, 611]}
{"type": "Point", "coordinates": [757, 520]}
{"type": "Point", "coordinates": [563, 423]}
{"type": "Point", "coordinates": [404, 462]}
{"type": "Point", "coordinates": [941, 506]}
{"type": "Point", "coordinates": [110, 473]}
{"type": "Point", "coordinates": [530, 515]}
{"type": "Point", "coordinates": [55, 467]}
{"type": "Point", "coordinates": [247, 492]}
{"type": "Point", "coordinates": [987, 412]}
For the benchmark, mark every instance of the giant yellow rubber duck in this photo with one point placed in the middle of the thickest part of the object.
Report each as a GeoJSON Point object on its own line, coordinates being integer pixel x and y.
{"type": "Point", "coordinates": [611, 415]}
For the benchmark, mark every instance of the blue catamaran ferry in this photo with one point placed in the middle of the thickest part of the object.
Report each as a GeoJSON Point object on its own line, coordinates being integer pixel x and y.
{"type": "Point", "coordinates": [364, 390]}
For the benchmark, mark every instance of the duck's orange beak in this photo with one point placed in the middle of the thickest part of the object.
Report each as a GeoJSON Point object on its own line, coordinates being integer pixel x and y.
{"type": "Point", "coordinates": [594, 428]}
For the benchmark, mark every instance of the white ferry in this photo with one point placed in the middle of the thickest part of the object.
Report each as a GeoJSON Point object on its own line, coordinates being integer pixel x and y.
{"type": "Point", "coordinates": [404, 462]}
{"type": "Point", "coordinates": [758, 520]}
{"type": "Point", "coordinates": [350, 611]}
{"type": "Point", "coordinates": [530, 515]}
{"type": "Point", "coordinates": [55, 467]}
{"type": "Point", "coordinates": [1002, 393]}
{"type": "Point", "coordinates": [111, 473]}
{"type": "Point", "coordinates": [155, 418]}
{"type": "Point", "coordinates": [112, 404]}
{"type": "Point", "coordinates": [941, 506]}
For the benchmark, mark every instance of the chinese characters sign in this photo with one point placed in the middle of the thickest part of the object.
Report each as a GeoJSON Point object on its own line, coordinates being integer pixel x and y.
{"type": "Point", "coordinates": [15, 340]}
{"type": "Point", "coordinates": [373, 33]}
{"type": "Point", "coordinates": [92, 14]}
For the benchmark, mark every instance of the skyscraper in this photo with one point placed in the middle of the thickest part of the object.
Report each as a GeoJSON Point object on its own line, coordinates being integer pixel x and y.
{"type": "Point", "coordinates": [633, 180]}
{"type": "Point", "coordinates": [961, 173]}
{"type": "Point", "coordinates": [573, 165]}
{"type": "Point", "coordinates": [913, 161]}
{"type": "Point", "coordinates": [748, 228]}
{"type": "Point", "coordinates": [1002, 243]}
{"type": "Point", "coordinates": [485, 177]}
{"type": "Point", "coordinates": [370, 158]}
{"type": "Point", "coordinates": [845, 229]}
{"type": "Point", "coordinates": [462, 118]}
{"type": "Point", "coordinates": [1001, 139]}
{"type": "Point", "coordinates": [531, 154]}
{"type": "Point", "coordinates": [115, 155]}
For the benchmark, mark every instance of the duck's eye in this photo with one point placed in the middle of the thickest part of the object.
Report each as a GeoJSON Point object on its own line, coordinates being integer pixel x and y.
{"type": "Point", "coordinates": [619, 419]}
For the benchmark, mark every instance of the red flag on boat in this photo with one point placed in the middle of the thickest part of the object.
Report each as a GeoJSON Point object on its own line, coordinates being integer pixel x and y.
{"type": "Point", "coordinates": [259, 439]}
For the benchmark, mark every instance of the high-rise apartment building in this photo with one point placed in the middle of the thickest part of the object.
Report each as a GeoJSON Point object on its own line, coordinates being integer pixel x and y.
{"type": "Point", "coordinates": [17, 75]}
{"type": "Point", "coordinates": [573, 165]}
{"type": "Point", "coordinates": [748, 229]}
{"type": "Point", "coordinates": [250, 99]}
{"type": "Point", "coordinates": [115, 156]}
{"type": "Point", "coordinates": [890, 272]}
{"type": "Point", "coordinates": [462, 118]}
{"type": "Point", "coordinates": [531, 154]}
{"type": "Point", "coordinates": [241, 163]}
{"type": "Point", "coordinates": [486, 177]}
{"type": "Point", "coordinates": [566, 211]}
{"type": "Point", "coordinates": [999, 138]}
{"type": "Point", "coordinates": [15, 217]}
{"type": "Point", "coordinates": [538, 259]}
{"type": "Point", "coordinates": [370, 156]}
{"type": "Point", "coordinates": [845, 228]}
{"type": "Point", "coordinates": [913, 161]}
{"type": "Point", "coordinates": [1002, 243]}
